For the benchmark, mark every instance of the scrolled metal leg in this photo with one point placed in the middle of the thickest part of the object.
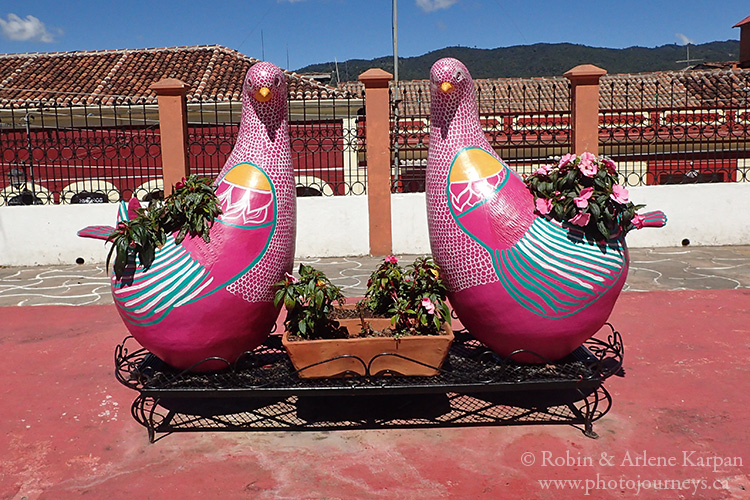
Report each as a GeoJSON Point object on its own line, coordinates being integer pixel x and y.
{"type": "Point", "coordinates": [588, 412]}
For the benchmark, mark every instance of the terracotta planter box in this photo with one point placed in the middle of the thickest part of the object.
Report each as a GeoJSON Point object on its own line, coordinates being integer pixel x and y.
{"type": "Point", "coordinates": [384, 355]}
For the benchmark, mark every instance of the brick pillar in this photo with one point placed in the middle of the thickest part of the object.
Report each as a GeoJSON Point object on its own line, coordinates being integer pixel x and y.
{"type": "Point", "coordinates": [377, 115]}
{"type": "Point", "coordinates": [584, 107]}
{"type": "Point", "coordinates": [170, 94]}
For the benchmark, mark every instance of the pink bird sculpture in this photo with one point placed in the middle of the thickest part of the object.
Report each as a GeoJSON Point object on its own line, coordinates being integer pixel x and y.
{"type": "Point", "coordinates": [198, 299]}
{"type": "Point", "coordinates": [516, 280]}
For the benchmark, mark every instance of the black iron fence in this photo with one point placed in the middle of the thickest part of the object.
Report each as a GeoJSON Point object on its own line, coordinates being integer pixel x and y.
{"type": "Point", "coordinates": [682, 128]}
{"type": "Point", "coordinates": [528, 125]}
{"type": "Point", "coordinates": [79, 154]}
{"type": "Point", "coordinates": [662, 128]}
{"type": "Point", "coordinates": [327, 142]}
{"type": "Point", "coordinates": [99, 154]}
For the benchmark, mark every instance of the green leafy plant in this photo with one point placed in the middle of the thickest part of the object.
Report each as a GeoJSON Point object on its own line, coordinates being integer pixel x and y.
{"type": "Point", "coordinates": [414, 297]}
{"type": "Point", "coordinates": [140, 237]}
{"type": "Point", "coordinates": [191, 209]}
{"type": "Point", "coordinates": [309, 302]}
{"type": "Point", "coordinates": [584, 192]}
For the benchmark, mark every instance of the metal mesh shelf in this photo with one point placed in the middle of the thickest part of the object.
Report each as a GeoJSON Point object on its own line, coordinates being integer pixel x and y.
{"type": "Point", "coordinates": [262, 391]}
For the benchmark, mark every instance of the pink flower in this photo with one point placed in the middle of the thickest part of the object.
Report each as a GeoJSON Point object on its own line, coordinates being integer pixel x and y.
{"type": "Point", "coordinates": [427, 304]}
{"type": "Point", "coordinates": [180, 184]}
{"type": "Point", "coordinates": [291, 278]}
{"type": "Point", "coordinates": [544, 206]}
{"type": "Point", "coordinates": [568, 158]}
{"type": "Point", "coordinates": [611, 166]}
{"type": "Point", "coordinates": [582, 200]}
{"type": "Point", "coordinates": [586, 156]}
{"type": "Point", "coordinates": [619, 194]}
{"type": "Point", "coordinates": [544, 170]}
{"type": "Point", "coordinates": [638, 221]}
{"type": "Point", "coordinates": [391, 259]}
{"type": "Point", "coordinates": [588, 167]}
{"type": "Point", "coordinates": [581, 219]}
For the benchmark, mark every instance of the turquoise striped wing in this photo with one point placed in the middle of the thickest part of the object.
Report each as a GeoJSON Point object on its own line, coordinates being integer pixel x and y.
{"type": "Point", "coordinates": [555, 277]}
{"type": "Point", "coordinates": [174, 279]}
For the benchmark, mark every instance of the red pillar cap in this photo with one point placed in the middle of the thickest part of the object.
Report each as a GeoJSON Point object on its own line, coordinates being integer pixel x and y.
{"type": "Point", "coordinates": [585, 70]}
{"type": "Point", "coordinates": [375, 77]}
{"type": "Point", "coordinates": [169, 86]}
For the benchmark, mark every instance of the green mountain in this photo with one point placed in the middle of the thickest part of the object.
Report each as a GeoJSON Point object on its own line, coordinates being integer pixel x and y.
{"type": "Point", "coordinates": [541, 59]}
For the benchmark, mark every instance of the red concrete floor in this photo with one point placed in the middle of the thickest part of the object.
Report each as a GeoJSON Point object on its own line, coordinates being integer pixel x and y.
{"type": "Point", "coordinates": [67, 431]}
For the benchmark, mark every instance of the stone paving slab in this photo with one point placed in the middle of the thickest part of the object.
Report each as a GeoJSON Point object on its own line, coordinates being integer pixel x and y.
{"type": "Point", "coordinates": [688, 268]}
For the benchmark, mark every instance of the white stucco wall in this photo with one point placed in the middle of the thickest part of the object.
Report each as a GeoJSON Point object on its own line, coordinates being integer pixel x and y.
{"type": "Point", "coordinates": [705, 214]}
{"type": "Point", "coordinates": [46, 234]}
{"type": "Point", "coordinates": [332, 226]}
{"type": "Point", "coordinates": [409, 224]}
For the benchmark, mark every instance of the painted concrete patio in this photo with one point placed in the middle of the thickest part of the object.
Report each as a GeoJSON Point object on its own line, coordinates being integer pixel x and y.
{"type": "Point", "coordinates": [677, 428]}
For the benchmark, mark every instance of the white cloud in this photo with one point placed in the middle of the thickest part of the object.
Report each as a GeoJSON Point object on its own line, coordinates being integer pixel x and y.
{"type": "Point", "coordinates": [433, 5]}
{"type": "Point", "coordinates": [29, 29]}
{"type": "Point", "coordinates": [684, 40]}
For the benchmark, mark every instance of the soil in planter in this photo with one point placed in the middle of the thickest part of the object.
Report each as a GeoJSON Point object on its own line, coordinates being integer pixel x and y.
{"type": "Point", "coordinates": [351, 322]}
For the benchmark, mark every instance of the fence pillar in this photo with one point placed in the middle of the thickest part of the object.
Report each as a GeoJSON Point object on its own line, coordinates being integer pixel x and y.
{"type": "Point", "coordinates": [170, 94]}
{"type": "Point", "coordinates": [377, 130]}
{"type": "Point", "coordinates": [584, 107]}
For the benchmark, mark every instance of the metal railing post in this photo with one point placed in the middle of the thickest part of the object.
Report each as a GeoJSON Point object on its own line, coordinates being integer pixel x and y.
{"type": "Point", "coordinates": [377, 133]}
{"type": "Point", "coordinates": [170, 94]}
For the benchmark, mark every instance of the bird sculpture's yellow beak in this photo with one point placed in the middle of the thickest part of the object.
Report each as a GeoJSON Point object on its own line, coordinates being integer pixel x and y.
{"type": "Point", "coordinates": [447, 87]}
{"type": "Point", "coordinates": [263, 94]}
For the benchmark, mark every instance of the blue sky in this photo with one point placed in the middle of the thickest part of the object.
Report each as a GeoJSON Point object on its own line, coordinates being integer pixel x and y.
{"type": "Point", "coordinates": [296, 33]}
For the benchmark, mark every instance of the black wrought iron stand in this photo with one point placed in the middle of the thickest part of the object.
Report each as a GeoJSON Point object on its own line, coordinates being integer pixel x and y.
{"type": "Point", "coordinates": [262, 391]}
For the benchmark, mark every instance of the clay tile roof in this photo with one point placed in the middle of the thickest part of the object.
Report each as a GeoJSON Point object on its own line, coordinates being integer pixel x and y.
{"type": "Point", "coordinates": [708, 88]}
{"type": "Point", "coordinates": [213, 73]}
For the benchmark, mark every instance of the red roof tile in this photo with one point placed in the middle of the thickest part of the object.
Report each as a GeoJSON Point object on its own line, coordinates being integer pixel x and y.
{"type": "Point", "coordinates": [213, 73]}
{"type": "Point", "coordinates": [711, 88]}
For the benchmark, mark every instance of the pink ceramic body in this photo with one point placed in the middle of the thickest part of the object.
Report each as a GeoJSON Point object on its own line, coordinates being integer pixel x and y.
{"type": "Point", "coordinates": [201, 300]}
{"type": "Point", "coordinates": [517, 281]}
{"type": "Point", "coordinates": [495, 319]}
{"type": "Point", "coordinates": [185, 339]}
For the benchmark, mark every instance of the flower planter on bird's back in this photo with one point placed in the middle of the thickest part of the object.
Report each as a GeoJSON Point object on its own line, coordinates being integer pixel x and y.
{"type": "Point", "coordinates": [401, 327]}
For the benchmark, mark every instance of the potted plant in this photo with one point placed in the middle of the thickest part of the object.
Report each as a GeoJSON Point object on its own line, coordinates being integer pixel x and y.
{"type": "Point", "coordinates": [584, 193]}
{"type": "Point", "coordinates": [190, 210]}
{"type": "Point", "coordinates": [401, 326]}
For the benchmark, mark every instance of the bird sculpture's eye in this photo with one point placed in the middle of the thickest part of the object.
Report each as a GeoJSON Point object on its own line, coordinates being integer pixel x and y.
{"type": "Point", "coordinates": [459, 76]}
{"type": "Point", "coordinates": [277, 81]}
